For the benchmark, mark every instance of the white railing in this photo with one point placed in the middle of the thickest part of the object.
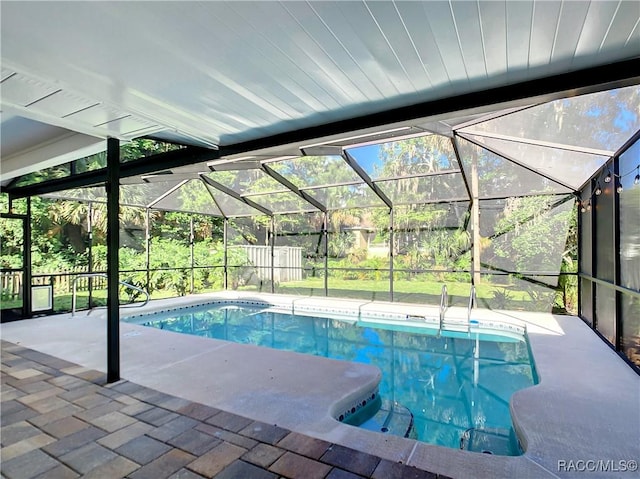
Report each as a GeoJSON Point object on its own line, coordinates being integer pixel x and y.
{"type": "Point", "coordinates": [91, 275]}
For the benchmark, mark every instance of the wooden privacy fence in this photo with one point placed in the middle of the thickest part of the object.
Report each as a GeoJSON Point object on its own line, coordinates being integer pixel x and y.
{"type": "Point", "coordinates": [11, 285]}
{"type": "Point", "coordinates": [287, 266]}
{"type": "Point", "coordinates": [11, 282]}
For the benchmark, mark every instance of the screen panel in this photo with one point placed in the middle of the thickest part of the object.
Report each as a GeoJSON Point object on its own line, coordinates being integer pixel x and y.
{"type": "Point", "coordinates": [527, 234]}
{"type": "Point", "coordinates": [604, 225]}
{"type": "Point", "coordinates": [630, 334]}
{"type": "Point", "coordinates": [629, 199]}
{"type": "Point", "coordinates": [602, 120]}
{"type": "Point", "coordinates": [571, 168]}
{"type": "Point", "coordinates": [421, 155]}
{"type": "Point", "coordinates": [606, 312]}
{"type": "Point", "coordinates": [499, 177]}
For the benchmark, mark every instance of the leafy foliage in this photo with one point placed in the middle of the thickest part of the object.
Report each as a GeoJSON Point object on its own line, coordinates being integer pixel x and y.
{"type": "Point", "coordinates": [426, 242]}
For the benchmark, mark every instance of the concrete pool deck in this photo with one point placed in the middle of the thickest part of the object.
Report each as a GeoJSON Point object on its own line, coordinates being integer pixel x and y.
{"type": "Point", "coordinates": [585, 408]}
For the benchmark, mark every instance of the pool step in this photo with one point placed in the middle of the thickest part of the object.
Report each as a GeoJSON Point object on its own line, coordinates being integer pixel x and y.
{"type": "Point", "coordinates": [490, 441]}
{"type": "Point", "coordinates": [387, 417]}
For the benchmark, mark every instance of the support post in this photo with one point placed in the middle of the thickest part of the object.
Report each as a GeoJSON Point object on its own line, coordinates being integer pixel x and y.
{"type": "Point", "coordinates": [580, 246]}
{"type": "Point", "coordinates": [147, 233]}
{"type": "Point", "coordinates": [90, 252]}
{"type": "Point", "coordinates": [113, 227]}
{"type": "Point", "coordinates": [272, 240]}
{"type": "Point", "coordinates": [391, 253]}
{"type": "Point", "coordinates": [617, 180]}
{"type": "Point", "coordinates": [191, 255]}
{"type": "Point", "coordinates": [325, 234]}
{"type": "Point", "coordinates": [594, 253]}
{"type": "Point", "coordinates": [225, 279]}
{"type": "Point", "coordinates": [475, 220]}
{"type": "Point", "coordinates": [26, 297]}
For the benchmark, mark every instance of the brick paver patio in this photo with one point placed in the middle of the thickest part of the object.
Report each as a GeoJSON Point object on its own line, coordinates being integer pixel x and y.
{"type": "Point", "coordinates": [60, 420]}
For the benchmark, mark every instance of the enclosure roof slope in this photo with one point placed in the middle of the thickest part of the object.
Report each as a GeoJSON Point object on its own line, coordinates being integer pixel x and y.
{"type": "Point", "coordinates": [546, 149]}
{"type": "Point", "coordinates": [222, 73]}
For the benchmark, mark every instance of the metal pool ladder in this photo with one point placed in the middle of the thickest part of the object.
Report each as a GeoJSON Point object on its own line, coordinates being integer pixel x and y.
{"type": "Point", "coordinates": [444, 304]}
{"type": "Point", "coordinates": [91, 275]}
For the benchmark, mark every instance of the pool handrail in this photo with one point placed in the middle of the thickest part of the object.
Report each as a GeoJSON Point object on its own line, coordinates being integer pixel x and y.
{"type": "Point", "coordinates": [472, 301]}
{"type": "Point", "coordinates": [444, 303]}
{"type": "Point", "coordinates": [103, 275]}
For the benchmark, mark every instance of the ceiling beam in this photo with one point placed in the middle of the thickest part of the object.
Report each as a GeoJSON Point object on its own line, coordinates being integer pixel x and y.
{"type": "Point", "coordinates": [50, 153]}
{"type": "Point", "coordinates": [149, 164]}
{"type": "Point", "coordinates": [534, 142]}
{"type": "Point", "coordinates": [285, 182]}
{"type": "Point", "coordinates": [235, 195]}
{"type": "Point", "coordinates": [355, 166]}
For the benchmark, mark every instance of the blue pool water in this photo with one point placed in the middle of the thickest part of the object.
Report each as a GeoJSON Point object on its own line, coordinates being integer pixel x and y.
{"type": "Point", "coordinates": [450, 391]}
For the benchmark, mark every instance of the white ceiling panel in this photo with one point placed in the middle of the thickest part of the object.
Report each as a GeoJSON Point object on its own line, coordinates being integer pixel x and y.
{"type": "Point", "coordinates": [543, 32]}
{"type": "Point", "coordinates": [596, 25]}
{"type": "Point", "coordinates": [340, 19]}
{"type": "Point", "coordinates": [21, 90]}
{"type": "Point", "coordinates": [98, 115]}
{"type": "Point", "coordinates": [493, 23]}
{"type": "Point", "coordinates": [572, 18]}
{"type": "Point", "coordinates": [62, 104]}
{"type": "Point", "coordinates": [329, 54]}
{"type": "Point", "coordinates": [441, 22]}
{"type": "Point", "coordinates": [415, 19]}
{"type": "Point", "coordinates": [5, 73]}
{"type": "Point", "coordinates": [306, 87]}
{"type": "Point", "coordinates": [518, 21]}
{"type": "Point", "coordinates": [129, 125]}
{"type": "Point", "coordinates": [625, 27]}
{"type": "Point", "coordinates": [381, 60]}
{"type": "Point", "coordinates": [228, 72]}
{"type": "Point", "coordinates": [466, 16]}
{"type": "Point", "coordinates": [392, 27]}
{"type": "Point", "coordinates": [20, 133]}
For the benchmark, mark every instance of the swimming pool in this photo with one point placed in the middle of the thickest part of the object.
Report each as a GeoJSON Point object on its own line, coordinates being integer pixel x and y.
{"type": "Point", "coordinates": [450, 389]}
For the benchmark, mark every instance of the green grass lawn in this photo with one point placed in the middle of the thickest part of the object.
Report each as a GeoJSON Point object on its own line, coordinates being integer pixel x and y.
{"type": "Point", "coordinates": [410, 291]}
{"type": "Point", "coordinates": [423, 292]}
{"type": "Point", "coordinates": [400, 286]}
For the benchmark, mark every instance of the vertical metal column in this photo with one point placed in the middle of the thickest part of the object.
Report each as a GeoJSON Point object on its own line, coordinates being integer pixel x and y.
{"type": "Point", "coordinates": [26, 264]}
{"type": "Point", "coordinates": [113, 227]}
{"type": "Point", "coordinates": [272, 234]}
{"type": "Point", "coordinates": [594, 251]}
{"type": "Point", "coordinates": [147, 232]}
{"type": "Point", "coordinates": [616, 253]}
{"type": "Point", "coordinates": [191, 256]}
{"type": "Point", "coordinates": [90, 252]}
{"type": "Point", "coordinates": [475, 221]}
{"type": "Point", "coordinates": [225, 279]}
{"type": "Point", "coordinates": [579, 255]}
{"type": "Point", "coordinates": [325, 234]}
{"type": "Point", "coordinates": [391, 253]}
